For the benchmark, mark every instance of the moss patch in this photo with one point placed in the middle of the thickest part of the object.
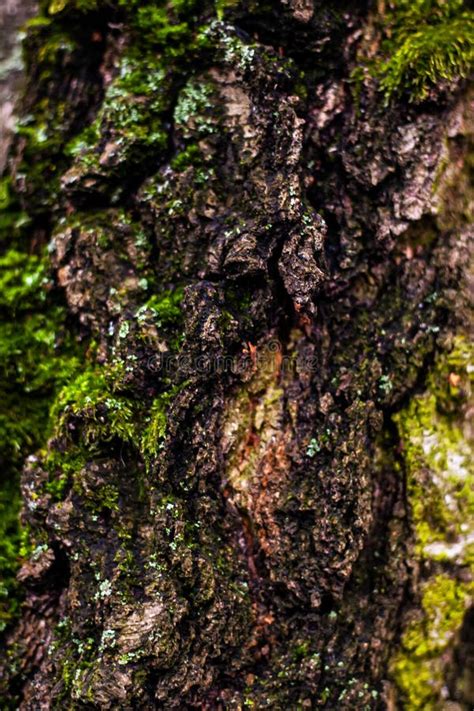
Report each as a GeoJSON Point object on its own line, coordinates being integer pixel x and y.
{"type": "Point", "coordinates": [131, 116]}
{"type": "Point", "coordinates": [37, 356]}
{"type": "Point", "coordinates": [424, 43]}
{"type": "Point", "coordinates": [419, 669]}
{"type": "Point", "coordinates": [437, 451]}
{"type": "Point", "coordinates": [53, 117]}
{"type": "Point", "coordinates": [438, 459]}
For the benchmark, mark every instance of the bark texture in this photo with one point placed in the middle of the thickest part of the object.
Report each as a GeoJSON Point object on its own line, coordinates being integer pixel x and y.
{"type": "Point", "coordinates": [12, 15]}
{"type": "Point", "coordinates": [247, 484]}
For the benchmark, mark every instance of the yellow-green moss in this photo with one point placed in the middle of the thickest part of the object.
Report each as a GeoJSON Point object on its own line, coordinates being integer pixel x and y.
{"type": "Point", "coordinates": [223, 5]}
{"type": "Point", "coordinates": [419, 668]}
{"type": "Point", "coordinates": [154, 433]}
{"type": "Point", "coordinates": [437, 453]}
{"type": "Point", "coordinates": [93, 396]}
{"type": "Point", "coordinates": [166, 307]}
{"type": "Point", "coordinates": [438, 458]}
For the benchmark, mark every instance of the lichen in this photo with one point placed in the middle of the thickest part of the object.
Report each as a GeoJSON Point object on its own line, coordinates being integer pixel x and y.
{"type": "Point", "coordinates": [195, 106]}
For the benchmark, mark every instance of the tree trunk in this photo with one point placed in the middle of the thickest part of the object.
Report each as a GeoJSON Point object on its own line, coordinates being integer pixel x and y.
{"type": "Point", "coordinates": [13, 14]}
{"type": "Point", "coordinates": [235, 358]}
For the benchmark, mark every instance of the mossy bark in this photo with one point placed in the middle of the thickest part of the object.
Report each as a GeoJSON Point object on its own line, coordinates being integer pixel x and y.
{"type": "Point", "coordinates": [13, 14]}
{"type": "Point", "coordinates": [236, 280]}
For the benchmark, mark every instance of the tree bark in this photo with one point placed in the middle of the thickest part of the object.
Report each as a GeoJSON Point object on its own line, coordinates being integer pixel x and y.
{"type": "Point", "coordinates": [12, 16]}
{"type": "Point", "coordinates": [247, 482]}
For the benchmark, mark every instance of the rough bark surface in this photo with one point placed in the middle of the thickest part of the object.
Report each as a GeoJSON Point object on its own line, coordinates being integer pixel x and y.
{"type": "Point", "coordinates": [12, 16]}
{"type": "Point", "coordinates": [259, 272]}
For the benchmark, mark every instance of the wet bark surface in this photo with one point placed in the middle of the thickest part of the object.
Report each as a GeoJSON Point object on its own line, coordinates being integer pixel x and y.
{"type": "Point", "coordinates": [260, 266]}
{"type": "Point", "coordinates": [13, 15]}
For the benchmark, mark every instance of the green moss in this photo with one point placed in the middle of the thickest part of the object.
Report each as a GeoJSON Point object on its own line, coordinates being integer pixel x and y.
{"type": "Point", "coordinates": [99, 412]}
{"type": "Point", "coordinates": [156, 423]}
{"type": "Point", "coordinates": [10, 539]}
{"type": "Point", "coordinates": [167, 306]}
{"type": "Point", "coordinates": [76, 657]}
{"type": "Point", "coordinates": [223, 5]}
{"type": "Point", "coordinates": [5, 196]}
{"type": "Point", "coordinates": [155, 23]}
{"type": "Point", "coordinates": [160, 314]}
{"type": "Point", "coordinates": [156, 429]}
{"type": "Point", "coordinates": [36, 358]}
{"type": "Point", "coordinates": [13, 219]}
{"type": "Point", "coordinates": [93, 398]}
{"type": "Point", "coordinates": [131, 114]}
{"type": "Point", "coordinates": [61, 467]}
{"type": "Point", "coordinates": [50, 47]}
{"type": "Point", "coordinates": [84, 142]}
{"type": "Point", "coordinates": [22, 278]}
{"type": "Point", "coordinates": [95, 411]}
{"type": "Point", "coordinates": [438, 463]}
{"type": "Point", "coordinates": [107, 497]}
{"type": "Point", "coordinates": [438, 458]}
{"type": "Point", "coordinates": [57, 6]}
{"type": "Point", "coordinates": [425, 42]}
{"type": "Point", "coordinates": [418, 669]}
{"type": "Point", "coordinates": [36, 354]}
{"type": "Point", "coordinates": [47, 388]}
{"type": "Point", "coordinates": [167, 26]}
{"type": "Point", "coordinates": [189, 156]}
